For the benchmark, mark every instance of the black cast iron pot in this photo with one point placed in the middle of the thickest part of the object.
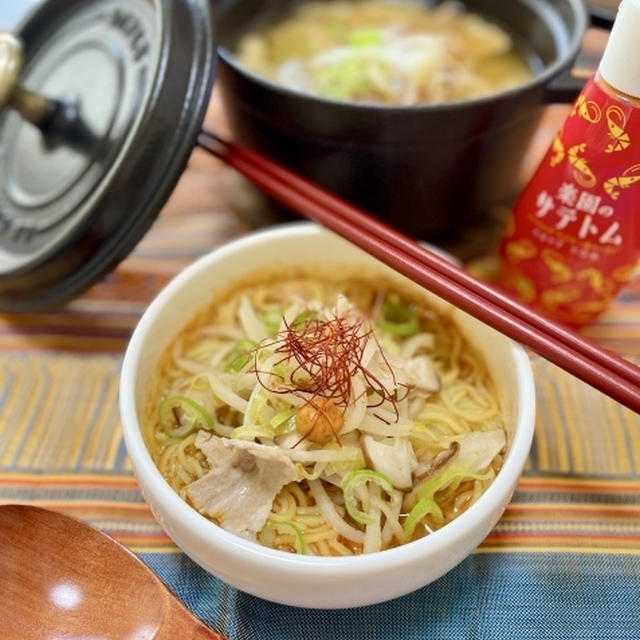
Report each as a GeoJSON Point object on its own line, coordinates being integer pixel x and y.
{"type": "Point", "coordinates": [430, 170]}
{"type": "Point", "coordinates": [107, 99]}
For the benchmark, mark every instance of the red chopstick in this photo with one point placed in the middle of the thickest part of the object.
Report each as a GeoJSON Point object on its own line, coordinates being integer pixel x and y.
{"type": "Point", "coordinates": [431, 259]}
{"type": "Point", "coordinates": [614, 376]}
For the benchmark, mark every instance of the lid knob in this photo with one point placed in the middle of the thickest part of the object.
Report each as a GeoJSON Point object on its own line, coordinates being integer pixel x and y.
{"type": "Point", "coordinates": [59, 120]}
{"type": "Point", "coordinates": [95, 130]}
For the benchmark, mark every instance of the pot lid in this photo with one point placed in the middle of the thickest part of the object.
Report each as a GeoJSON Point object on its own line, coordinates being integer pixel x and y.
{"type": "Point", "coordinates": [108, 97]}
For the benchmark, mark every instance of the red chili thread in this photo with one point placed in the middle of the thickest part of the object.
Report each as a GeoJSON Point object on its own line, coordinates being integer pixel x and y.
{"type": "Point", "coordinates": [326, 354]}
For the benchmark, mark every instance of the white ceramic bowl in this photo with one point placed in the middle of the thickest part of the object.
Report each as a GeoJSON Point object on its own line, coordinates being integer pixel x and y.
{"type": "Point", "coordinates": [310, 581]}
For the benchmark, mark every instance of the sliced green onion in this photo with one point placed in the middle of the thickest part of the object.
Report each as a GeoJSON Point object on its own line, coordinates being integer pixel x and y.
{"type": "Point", "coordinates": [356, 479]}
{"type": "Point", "coordinates": [257, 406]}
{"type": "Point", "coordinates": [251, 432]}
{"type": "Point", "coordinates": [347, 77]}
{"type": "Point", "coordinates": [424, 507]}
{"type": "Point", "coordinates": [398, 319]}
{"type": "Point", "coordinates": [427, 504]}
{"type": "Point", "coordinates": [284, 527]}
{"type": "Point", "coordinates": [272, 320]}
{"type": "Point", "coordinates": [240, 355]}
{"type": "Point", "coordinates": [179, 416]}
{"type": "Point", "coordinates": [364, 37]}
{"type": "Point", "coordinates": [446, 476]}
{"type": "Point", "coordinates": [303, 317]}
{"type": "Point", "coordinates": [281, 370]}
{"type": "Point", "coordinates": [281, 419]}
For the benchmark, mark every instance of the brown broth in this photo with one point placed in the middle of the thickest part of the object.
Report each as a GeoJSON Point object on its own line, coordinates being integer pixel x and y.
{"type": "Point", "coordinates": [385, 52]}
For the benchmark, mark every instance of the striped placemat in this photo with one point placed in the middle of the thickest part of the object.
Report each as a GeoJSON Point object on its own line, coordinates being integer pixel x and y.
{"type": "Point", "coordinates": [576, 511]}
{"type": "Point", "coordinates": [563, 562]}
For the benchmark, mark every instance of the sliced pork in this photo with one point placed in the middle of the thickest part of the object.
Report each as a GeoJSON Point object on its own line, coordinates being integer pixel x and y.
{"type": "Point", "coordinates": [239, 490]}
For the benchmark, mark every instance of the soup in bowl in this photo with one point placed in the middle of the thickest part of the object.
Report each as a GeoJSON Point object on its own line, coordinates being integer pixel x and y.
{"type": "Point", "coordinates": [313, 428]}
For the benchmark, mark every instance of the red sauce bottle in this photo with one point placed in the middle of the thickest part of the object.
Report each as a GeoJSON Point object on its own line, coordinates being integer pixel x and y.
{"type": "Point", "coordinates": [574, 237]}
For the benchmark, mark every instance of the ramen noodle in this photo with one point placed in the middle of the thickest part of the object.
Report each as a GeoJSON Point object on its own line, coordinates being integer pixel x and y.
{"type": "Point", "coordinates": [385, 52]}
{"type": "Point", "coordinates": [328, 417]}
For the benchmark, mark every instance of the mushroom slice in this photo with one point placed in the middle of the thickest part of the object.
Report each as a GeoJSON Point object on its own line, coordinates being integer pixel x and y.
{"type": "Point", "coordinates": [421, 374]}
{"type": "Point", "coordinates": [392, 456]}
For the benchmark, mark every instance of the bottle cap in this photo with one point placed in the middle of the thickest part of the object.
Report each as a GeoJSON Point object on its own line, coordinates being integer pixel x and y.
{"type": "Point", "coordinates": [620, 64]}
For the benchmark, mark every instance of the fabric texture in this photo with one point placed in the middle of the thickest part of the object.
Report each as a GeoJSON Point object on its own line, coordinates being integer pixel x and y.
{"type": "Point", "coordinates": [562, 563]}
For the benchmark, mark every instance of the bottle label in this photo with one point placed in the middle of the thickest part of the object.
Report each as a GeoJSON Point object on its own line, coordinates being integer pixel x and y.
{"type": "Point", "coordinates": [574, 237]}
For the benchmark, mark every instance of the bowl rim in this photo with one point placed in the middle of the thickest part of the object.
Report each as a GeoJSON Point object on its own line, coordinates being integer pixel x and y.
{"type": "Point", "coordinates": [261, 557]}
{"type": "Point", "coordinates": [542, 78]}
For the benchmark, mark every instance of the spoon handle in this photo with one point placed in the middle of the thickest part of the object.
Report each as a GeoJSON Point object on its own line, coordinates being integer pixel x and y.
{"type": "Point", "coordinates": [182, 624]}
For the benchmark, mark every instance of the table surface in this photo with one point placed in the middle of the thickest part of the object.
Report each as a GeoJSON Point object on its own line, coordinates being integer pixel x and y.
{"type": "Point", "coordinates": [563, 562]}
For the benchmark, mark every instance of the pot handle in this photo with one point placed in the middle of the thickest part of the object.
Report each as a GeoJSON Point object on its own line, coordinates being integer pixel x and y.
{"type": "Point", "coordinates": [566, 88]}
{"type": "Point", "coordinates": [601, 17]}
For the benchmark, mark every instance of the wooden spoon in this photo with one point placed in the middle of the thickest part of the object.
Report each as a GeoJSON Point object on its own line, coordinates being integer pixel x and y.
{"type": "Point", "coordinates": [59, 578]}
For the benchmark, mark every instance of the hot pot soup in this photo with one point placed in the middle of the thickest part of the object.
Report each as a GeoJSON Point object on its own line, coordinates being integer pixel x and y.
{"type": "Point", "coordinates": [376, 51]}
